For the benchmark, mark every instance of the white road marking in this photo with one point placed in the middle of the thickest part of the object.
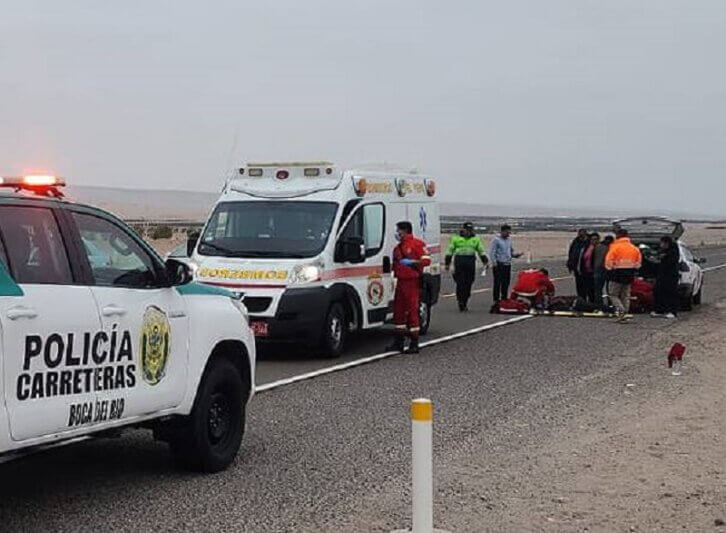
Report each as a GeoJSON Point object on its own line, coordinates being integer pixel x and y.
{"type": "Point", "coordinates": [370, 359]}
{"type": "Point", "coordinates": [717, 267]}
{"type": "Point", "coordinates": [447, 338]}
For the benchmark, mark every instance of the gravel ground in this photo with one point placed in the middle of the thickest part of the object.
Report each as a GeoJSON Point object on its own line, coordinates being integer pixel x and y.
{"type": "Point", "coordinates": [520, 413]}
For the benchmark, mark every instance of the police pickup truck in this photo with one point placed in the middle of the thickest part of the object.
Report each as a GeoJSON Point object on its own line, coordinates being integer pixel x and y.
{"type": "Point", "coordinates": [97, 334]}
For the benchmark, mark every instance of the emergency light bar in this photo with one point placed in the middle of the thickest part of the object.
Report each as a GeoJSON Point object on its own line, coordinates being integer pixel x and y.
{"type": "Point", "coordinates": [283, 171]}
{"type": "Point", "coordinates": [38, 183]}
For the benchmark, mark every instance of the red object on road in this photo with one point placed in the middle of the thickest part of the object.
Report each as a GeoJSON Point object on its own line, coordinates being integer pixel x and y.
{"type": "Point", "coordinates": [676, 354]}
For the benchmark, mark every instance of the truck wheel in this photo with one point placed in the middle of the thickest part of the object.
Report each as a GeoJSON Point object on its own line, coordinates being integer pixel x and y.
{"type": "Point", "coordinates": [424, 314]}
{"type": "Point", "coordinates": [698, 298]}
{"type": "Point", "coordinates": [335, 331]}
{"type": "Point", "coordinates": [209, 438]}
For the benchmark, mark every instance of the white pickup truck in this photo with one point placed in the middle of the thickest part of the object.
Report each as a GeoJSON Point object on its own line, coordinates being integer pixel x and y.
{"type": "Point", "coordinates": [98, 333]}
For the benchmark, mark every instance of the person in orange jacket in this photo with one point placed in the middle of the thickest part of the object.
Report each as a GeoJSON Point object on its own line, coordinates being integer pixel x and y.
{"type": "Point", "coordinates": [622, 263]}
{"type": "Point", "coordinates": [535, 286]}
{"type": "Point", "coordinates": [409, 259]}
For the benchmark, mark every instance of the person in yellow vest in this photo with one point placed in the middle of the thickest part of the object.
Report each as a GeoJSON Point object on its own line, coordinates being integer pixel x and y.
{"type": "Point", "coordinates": [463, 250]}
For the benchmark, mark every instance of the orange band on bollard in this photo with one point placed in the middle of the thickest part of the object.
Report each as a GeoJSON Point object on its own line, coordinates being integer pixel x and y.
{"type": "Point", "coordinates": [422, 410]}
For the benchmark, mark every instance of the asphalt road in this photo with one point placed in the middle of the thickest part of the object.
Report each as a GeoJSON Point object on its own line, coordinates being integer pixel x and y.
{"type": "Point", "coordinates": [283, 361]}
{"type": "Point", "coordinates": [332, 453]}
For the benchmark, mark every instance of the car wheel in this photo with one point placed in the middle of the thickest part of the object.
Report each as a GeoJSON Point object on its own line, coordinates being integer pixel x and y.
{"type": "Point", "coordinates": [335, 331]}
{"type": "Point", "coordinates": [687, 303]}
{"type": "Point", "coordinates": [209, 438]}
{"type": "Point", "coordinates": [698, 298]}
{"type": "Point", "coordinates": [424, 314]}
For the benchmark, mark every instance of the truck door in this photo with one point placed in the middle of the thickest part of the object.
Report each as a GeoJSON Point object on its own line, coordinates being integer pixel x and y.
{"type": "Point", "coordinates": [370, 274]}
{"type": "Point", "coordinates": [48, 326]}
{"type": "Point", "coordinates": [146, 321]}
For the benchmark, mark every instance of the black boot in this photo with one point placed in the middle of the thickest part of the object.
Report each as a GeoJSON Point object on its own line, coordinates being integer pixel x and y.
{"type": "Point", "coordinates": [397, 345]}
{"type": "Point", "coordinates": [413, 347]}
{"type": "Point", "coordinates": [463, 307]}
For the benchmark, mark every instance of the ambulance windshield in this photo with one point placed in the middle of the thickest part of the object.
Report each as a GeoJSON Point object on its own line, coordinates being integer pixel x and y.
{"type": "Point", "coordinates": [268, 229]}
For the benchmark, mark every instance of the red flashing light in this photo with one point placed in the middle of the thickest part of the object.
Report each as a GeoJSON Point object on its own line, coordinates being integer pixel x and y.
{"type": "Point", "coordinates": [41, 180]}
{"type": "Point", "coordinates": [282, 174]}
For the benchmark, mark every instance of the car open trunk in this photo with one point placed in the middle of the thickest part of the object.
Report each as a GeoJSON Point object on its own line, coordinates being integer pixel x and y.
{"type": "Point", "coordinates": [649, 230]}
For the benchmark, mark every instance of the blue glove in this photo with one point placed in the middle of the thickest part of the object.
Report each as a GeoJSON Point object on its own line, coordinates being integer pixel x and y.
{"type": "Point", "coordinates": [408, 262]}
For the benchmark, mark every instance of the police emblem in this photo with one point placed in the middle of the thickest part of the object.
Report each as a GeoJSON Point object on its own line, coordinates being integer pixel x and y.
{"type": "Point", "coordinates": [155, 345]}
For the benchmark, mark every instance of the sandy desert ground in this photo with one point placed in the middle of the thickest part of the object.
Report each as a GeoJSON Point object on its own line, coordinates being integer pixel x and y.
{"type": "Point", "coordinates": [541, 244]}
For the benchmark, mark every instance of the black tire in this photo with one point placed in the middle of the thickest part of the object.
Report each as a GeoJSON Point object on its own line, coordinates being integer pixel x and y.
{"type": "Point", "coordinates": [687, 303]}
{"type": "Point", "coordinates": [335, 331]}
{"type": "Point", "coordinates": [424, 314]}
{"type": "Point", "coordinates": [209, 439]}
{"type": "Point", "coordinates": [698, 298]}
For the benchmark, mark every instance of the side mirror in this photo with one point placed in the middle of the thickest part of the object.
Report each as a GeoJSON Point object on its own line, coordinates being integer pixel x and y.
{"type": "Point", "coordinates": [192, 240]}
{"type": "Point", "coordinates": [350, 250]}
{"type": "Point", "coordinates": [178, 273]}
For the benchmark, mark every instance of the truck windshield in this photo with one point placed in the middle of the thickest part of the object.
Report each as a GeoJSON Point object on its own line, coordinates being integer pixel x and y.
{"type": "Point", "coordinates": [268, 229]}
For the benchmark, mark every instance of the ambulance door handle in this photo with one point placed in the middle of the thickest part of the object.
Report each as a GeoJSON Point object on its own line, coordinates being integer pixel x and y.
{"type": "Point", "coordinates": [386, 265]}
{"type": "Point", "coordinates": [15, 313]}
{"type": "Point", "coordinates": [112, 310]}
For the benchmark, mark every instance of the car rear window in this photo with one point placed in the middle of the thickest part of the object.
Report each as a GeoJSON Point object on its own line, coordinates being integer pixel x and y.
{"type": "Point", "coordinates": [34, 246]}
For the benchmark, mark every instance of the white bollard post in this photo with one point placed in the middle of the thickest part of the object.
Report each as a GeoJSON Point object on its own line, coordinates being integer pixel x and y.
{"type": "Point", "coordinates": [422, 414]}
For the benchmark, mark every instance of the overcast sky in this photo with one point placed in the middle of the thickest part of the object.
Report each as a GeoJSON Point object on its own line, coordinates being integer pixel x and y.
{"type": "Point", "coordinates": [618, 103]}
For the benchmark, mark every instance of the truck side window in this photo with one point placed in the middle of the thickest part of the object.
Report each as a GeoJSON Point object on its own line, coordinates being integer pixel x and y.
{"type": "Point", "coordinates": [373, 223]}
{"type": "Point", "coordinates": [116, 259]}
{"type": "Point", "coordinates": [35, 248]}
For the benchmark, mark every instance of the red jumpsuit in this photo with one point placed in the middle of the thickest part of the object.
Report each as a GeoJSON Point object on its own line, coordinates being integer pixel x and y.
{"type": "Point", "coordinates": [533, 284]}
{"type": "Point", "coordinates": [406, 299]}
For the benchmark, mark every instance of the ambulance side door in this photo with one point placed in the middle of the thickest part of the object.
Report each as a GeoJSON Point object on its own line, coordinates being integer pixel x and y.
{"type": "Point", "coordinates": [46, 314]}
{"type": "Point", "coordinates": [369, 273]}
{"type": "Point", "coordinates": [145, 320]}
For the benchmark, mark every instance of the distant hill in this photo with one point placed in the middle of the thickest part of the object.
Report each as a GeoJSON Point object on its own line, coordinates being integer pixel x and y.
{"type": "Point", "coordinates": [195, 205]}
{"type": "Point", "coordinates": [141, 203]}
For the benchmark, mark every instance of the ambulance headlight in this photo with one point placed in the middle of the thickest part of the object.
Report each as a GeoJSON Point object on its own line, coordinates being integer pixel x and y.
{"type": "Point", "coordinates": [305, 274]}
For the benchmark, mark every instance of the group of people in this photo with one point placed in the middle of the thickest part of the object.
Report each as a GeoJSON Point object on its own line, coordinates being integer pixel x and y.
{"type": "Point", "coordinates": [603, 269]}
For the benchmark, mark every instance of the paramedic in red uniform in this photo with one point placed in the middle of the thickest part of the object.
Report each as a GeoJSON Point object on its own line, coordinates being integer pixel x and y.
{"type": "Point", "coordinates": [409, 259]}
{"type": "Point", "coordinates": [535, 286]}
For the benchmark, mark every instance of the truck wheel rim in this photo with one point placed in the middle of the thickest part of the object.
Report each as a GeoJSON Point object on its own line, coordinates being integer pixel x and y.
{"type": "Point", "coordinates": [336, 330]}
{"type": "Point", "coordinates": [424, 315]}
{"type": "Point", "coordinates": [219, 417]}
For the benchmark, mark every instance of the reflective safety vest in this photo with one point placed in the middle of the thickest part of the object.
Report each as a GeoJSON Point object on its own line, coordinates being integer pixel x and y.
{"type": "Point", "coordinates": [623, 261]}
{"type": "Point", "coordinates": [464, 246]}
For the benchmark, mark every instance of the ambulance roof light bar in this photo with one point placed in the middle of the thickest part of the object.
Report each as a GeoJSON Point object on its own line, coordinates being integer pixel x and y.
{"type": "Point", "coordinates": [291, 164]}
{"type": "Point", "coordinates": [40, 184]}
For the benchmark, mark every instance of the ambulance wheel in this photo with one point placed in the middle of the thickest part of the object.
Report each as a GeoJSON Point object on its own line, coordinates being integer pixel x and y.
{"type": "Point", "coordinates": [209, 438]}
{"type": "Point", "coordinates": [424, 315]}
{"type": "Point", "coordinates": [335, 331]}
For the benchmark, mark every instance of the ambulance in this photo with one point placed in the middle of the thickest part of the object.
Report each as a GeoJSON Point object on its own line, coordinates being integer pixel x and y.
{"type": "Point", "coordinates": [98, 334]}
{"type": "Point", "coordinates": [308, 245]}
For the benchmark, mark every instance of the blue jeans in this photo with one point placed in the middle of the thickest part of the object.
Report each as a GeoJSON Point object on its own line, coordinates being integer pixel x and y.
{"type": "Point", "coordinates": [599, 286]}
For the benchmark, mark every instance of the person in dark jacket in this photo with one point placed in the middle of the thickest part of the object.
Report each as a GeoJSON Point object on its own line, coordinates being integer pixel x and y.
{"type": "Point", "coordinates": [574, 259]}
{"type": "Point", "coordinates": [667, 302]}
{"type": "Point", "coordinates": [587, 266]}
{"type": "Point", "coordinates": [598, 268]}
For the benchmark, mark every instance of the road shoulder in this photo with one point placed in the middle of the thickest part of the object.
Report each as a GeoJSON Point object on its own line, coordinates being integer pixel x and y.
{"type": "Point", "coordinates": [648, 452]}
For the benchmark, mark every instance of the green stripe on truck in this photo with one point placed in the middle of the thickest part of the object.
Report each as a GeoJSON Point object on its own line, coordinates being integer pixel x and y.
{"type": "Point", "coordinates": [8, 287]}
{"type": "Point", "coordinates": [194, 288]}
